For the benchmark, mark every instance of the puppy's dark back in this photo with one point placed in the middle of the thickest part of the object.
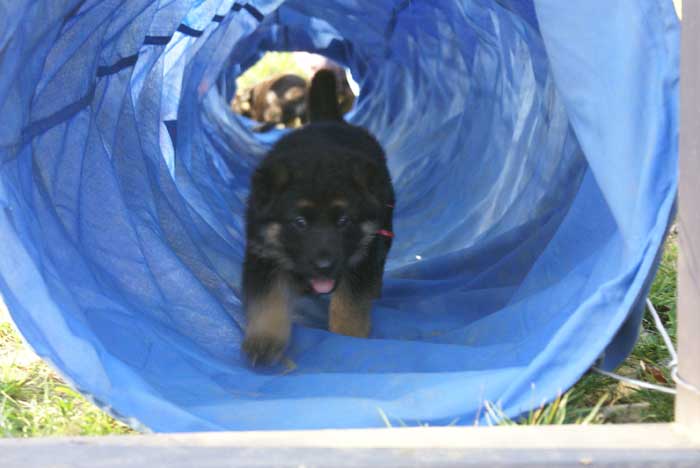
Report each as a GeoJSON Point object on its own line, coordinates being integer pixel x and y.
{"type": "Point", "coordinates": [332, 134]}
{"type": "Point", "coordinates": [330, 142]}
{"type": "Point", "coordinates": [328, 133]}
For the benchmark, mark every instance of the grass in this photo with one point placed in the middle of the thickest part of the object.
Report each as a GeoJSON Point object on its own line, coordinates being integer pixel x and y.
{"type": "Point", "coordinates": [558, 412]}
{"type": "Point", "coordinates": [34, 401]}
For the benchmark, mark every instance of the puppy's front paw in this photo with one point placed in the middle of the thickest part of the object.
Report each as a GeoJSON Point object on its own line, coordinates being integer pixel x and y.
{"type": "Point", "coordinates": [264, 349]}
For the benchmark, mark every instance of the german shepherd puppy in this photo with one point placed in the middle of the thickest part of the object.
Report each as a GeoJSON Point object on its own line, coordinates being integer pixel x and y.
{"type": "Point", "coordinates": [318, 221]}
{"type": "Point", "coordinates": [280, 100]}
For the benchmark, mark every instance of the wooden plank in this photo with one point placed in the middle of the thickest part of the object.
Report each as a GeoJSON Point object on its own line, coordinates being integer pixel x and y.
{"type": "Point", "coordinates": [522, 446]}
{"type": "Point", "coordinates": [687, 401]}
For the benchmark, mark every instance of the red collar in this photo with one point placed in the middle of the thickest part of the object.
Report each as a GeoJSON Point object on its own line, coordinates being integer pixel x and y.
{"type": "Point", "coordinates": [384, 232]}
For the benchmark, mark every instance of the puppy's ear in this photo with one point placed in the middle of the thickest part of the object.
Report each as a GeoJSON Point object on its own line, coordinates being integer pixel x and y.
{"type": "Point", "coordinates": [271, 178]}
{"type": "Point", "coordinates": [269, 181]}
{"type": "Point", "coordinates": [367, 178]}
{"type": "Point", "coordinates": [365, 174]}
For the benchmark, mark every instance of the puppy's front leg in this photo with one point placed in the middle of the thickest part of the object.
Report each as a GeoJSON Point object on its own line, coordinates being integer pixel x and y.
{"type": "Point", "coordinates": [350, 309]}
{"type": "Point", "coordinates": [269, 325]}
{"type": "Point", "coordinates": [351, 303]}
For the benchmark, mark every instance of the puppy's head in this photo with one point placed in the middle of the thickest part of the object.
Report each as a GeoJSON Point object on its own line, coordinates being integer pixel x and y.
{"type": "Point", "coordinates": [315, 221]}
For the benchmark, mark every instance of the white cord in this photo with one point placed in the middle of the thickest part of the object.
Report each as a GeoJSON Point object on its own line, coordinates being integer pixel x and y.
{"type": "Point", "coordinates": [680, 382]}
{"type": "Point", "coordinates": [673, 365]}
{"type": "Point", "coordinates": [664, 334]}
{"type": "Point", "coordinates": [635, 382]}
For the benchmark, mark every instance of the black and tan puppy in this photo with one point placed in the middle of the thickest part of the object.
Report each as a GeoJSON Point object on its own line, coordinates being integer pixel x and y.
{"type": "Point", "coordinates": [280, 100]}
{"type": "Point", "coordinates": [318, 221]}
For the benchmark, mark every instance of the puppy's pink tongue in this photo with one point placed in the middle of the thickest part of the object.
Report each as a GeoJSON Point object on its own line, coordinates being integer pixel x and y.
{"type": "Point", "coordinates": [322, 286]}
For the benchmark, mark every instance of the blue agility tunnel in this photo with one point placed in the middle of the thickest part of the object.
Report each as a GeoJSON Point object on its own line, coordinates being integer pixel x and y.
{"type": "Point", "coordinates": [533, 147]}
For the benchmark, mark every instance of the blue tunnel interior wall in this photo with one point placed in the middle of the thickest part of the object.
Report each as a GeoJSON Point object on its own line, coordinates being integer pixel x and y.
{"type": "Point", "coordinates": [533, 150]}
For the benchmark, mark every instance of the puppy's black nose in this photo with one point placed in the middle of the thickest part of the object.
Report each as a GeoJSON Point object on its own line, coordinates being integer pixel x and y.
{"type": "Point", "coordinates": [324, 264]}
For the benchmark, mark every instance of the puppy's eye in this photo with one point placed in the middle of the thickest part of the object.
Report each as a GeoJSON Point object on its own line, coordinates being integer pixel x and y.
{"type": "Point", "coordinates": [300, 223]}
{"type": "Point", "coordinates": [343, 221]}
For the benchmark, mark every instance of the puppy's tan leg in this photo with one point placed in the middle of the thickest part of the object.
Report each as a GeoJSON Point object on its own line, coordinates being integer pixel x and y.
{"type": "Point", "coordinates": [269, 323]}
{"type": "Point", "coordinates": [350, 311]}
